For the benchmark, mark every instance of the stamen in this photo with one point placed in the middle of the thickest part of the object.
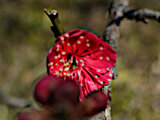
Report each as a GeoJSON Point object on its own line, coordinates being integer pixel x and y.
{"type": "Point", "coordinates": [101, 58]}
{"type": "Point", "coordinates": [81, 84]}
{"type": "Point", "coordinates": [78, 42]}
{"type": "Point", "coordinates": [57, 49]}
{"type": "Point", "coordinates": [81, 37]}
{"type": "Point", "coordinates": [79, 73]}
{"type": "Point", "coordinates": [68, 44]}
{"type": "Point", "coordinates": [62, 42]}
{"type": "Point", "coordinates": [110, 74]}
{"type": "Point", "coordinates": [51, 63]}
{"type": "Point", "coordinates": [66, 35]}
{"type": "Point", "coordinates": [57, 73]}
{"type": "Point", "coordinates": [63, 53]}
{"type": "Point", "coordinates": [61, 60]}
{"type": "Point", "coordinates": [109, 80]}
{"type": "Point", "coordinates": [66, 64]}
{"type": "Point", "coordinates": [101, 82]}
{"type": "Point", "coordinates": [81, 60]}
{"type": "Point", "coordinates": [51, 67]}
{"type": "Point", "coordinates": [101, 48]}
{"type": "Point", "coordinates": [87, 40]}
{"type": "Point", "coordinates": [107, 58]}
{"type": "Point", "coordinates": [88, 45]}
{"type": "Point", "coordinates": [96, 76]}
{"type": "Point", "coordinates": [58, 46]}
{"type": "Point", "coordinates": [74, 67]}
{"type": "Point", "coordinates": [62, 38]}
{"type": "Point", "coordinates": [82, 64]}
{"type": "Point", "coordinates": [66, 69]}
{"type": "Point", "coordinates": [107, 69]}
{"type": "Point", "coordinates": [61, 69]}
{"type": "Point", "coordinates": [55, 57]}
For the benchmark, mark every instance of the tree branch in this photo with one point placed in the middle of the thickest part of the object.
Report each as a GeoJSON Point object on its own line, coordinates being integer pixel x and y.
{"type": "Point", "coordinates": [120, 10]}
{"type": "Point", "coordinates": [56, 28]}
{"type": "Point", "coordinates": [111, 36]}
{"type": "Point", "coordinates": [141, 15]}
{"type": "Point", "coordinates": [117, 12]}
{"type": "Point", "coordinates": [115, 16]}
{"type": "Point", "coordinates": [15, 102]}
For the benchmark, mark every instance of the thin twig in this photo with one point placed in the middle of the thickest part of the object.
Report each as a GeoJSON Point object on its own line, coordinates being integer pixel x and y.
{"type": "Point", "coordinates": [141, 15]}
{"type": "Point", "coordinates": [15, 102]}
{"type": "Point", "coordinates": [56, 28]}
{"type": "Point", "coordinates": [117, 12]}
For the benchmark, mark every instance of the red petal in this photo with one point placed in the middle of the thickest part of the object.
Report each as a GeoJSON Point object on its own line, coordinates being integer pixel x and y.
{"type": "Point", "coordinates": [91, 55]}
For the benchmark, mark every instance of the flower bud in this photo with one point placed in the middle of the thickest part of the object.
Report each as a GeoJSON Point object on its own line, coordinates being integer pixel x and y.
{"type": "Point", "coordinates": [96, 103]}
{"type": "Point", "coordinates": [45, 89]}
{"type": "Point", "coordinates": [67, 93]}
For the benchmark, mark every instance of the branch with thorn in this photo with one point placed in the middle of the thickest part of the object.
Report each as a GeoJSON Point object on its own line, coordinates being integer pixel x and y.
{"type": "Point", "coordinates": [141, 15]}
{"type": "Point", "coordinates": [117, 12]}
{"type": "Point", "coordinates": [56, 28]}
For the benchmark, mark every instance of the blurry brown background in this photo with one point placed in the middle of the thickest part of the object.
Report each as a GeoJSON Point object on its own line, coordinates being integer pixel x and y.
{"type": "Point", "coordinates": [25, 38]}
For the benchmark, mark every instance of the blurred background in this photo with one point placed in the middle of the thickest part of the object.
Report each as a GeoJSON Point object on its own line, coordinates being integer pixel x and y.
{"type": "Point", "coordinates": [25, 38]}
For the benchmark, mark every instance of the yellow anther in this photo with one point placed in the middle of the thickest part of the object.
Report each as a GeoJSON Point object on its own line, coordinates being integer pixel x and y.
{"type": "Point", "coordinates": [63, 53]}
{"type": "Point", "coordinates": [82, 64]}
{"type": "Point", "coordinates": [87, 40]}
{"type": "Point", "coordinates": [96, 76]}
{"type": "Point", "coordinates": [66, 69]}
{"type": "Point", "coordinates": [51, 63]}
{"type": "Point", "coordinates": [81, 37]}
{"type": "Point", "coordinates": [68, 44]}
{"type": "Point", "coordinates": [88, 45]}
{"type": "Point", "coordinates": [74, 67]}
{"type": "Point", "coordinates": [101, 48]}
{"type": "Point", "coordinates": [66, 35]}
{"type": "Point", "coordinates": [109, 80]}
{"type": "Point", "coordinates": [61, 60]}
{"type": "Point", "coordinates": [101, 82]}
{"type": "Point", "coordinates": [57, 73]}
{"type": "Point", "coordinates": [81, 60]}
{"type": "Point", "coordinates": [62, 38]}
{"type": "Point", "coordinates": [107, 69]}
{"type": "Point", "coordinates": [107, 58]}
{"type": "Point", "coordinates": [78, 42]}
{"type": "Point", "coordinates": [101, 58]}
{"type": "Point", "coordinates": [110, 74]}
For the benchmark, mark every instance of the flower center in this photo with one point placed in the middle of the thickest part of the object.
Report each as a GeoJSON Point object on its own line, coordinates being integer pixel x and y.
{"type": "Point", "coordinates": [74, 62]}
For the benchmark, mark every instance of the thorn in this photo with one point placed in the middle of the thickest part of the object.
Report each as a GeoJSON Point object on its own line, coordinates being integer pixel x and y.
{"type": "Point", "coordinates": [56, 28]}
{"type": "Point", "coordinates": [45, 10]}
